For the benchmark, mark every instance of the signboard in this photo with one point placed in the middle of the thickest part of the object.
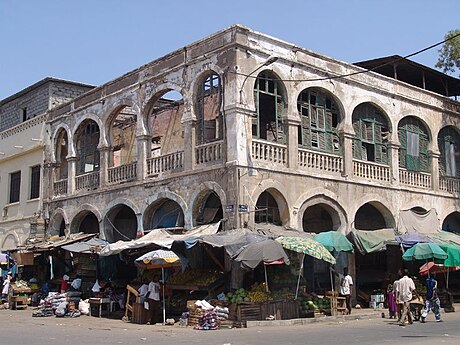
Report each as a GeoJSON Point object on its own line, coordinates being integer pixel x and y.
{"type": "Point", "coordinates": [243, 208]}
{"type": "Point", "coordinates": [229, 208]}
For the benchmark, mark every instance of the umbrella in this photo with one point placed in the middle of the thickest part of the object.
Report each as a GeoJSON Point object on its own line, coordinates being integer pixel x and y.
{"type": "Point", "coordinates": [334, 241]}
{"type": "Point", "coordinates": [410, 238]}
{"type": "Point", "coordinates": [159, 258]}
{"type": "Point", "coordinates": [267, 251]}
{"type": "Point", "coordinates": [307, 246]}
{"type": "Point", "coordinates": [425, 251]}
{"type": "Point", "coordinates": [431, 267]}
{"type": "Point", "coordinates": [453, 259]}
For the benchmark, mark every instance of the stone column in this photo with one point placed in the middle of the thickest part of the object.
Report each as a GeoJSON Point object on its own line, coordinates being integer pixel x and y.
{"type": "Point", "coordinates": [189, 144]}
{"type": "Point", "coordinates": [104, 165]}
{"type": "Point", "coordinates": [435, 170]}
{"type": "Point", "coordinates": [72, 172]}
{"type": "Point", "coordinates": [393, 158]}
{"type": "Point", "coordinates": [293, 142]}
{"type": "Point", "coordinates": [347, 144]}
{"type": "Point", "coordinates": [143, 153]}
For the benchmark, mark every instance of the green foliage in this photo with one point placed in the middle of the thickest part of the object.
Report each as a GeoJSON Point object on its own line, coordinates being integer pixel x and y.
{"type": "Point", "coordinates": [449, 54]}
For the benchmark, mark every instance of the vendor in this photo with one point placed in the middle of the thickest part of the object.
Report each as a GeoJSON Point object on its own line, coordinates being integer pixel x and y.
{"type": "Point", "coordinates": [6, 287]}
{"type": "Point", "coordinates": [64, 283]}
{"type": "Point", "coordinates": [154, 299]}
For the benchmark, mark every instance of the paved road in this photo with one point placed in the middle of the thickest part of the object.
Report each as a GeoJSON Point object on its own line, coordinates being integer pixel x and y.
{"type": "Point", "coordinates": [19, 328]}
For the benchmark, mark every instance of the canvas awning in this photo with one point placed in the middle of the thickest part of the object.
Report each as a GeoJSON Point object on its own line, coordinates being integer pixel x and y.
{"type": "Point", "coordinates": [58, 242]}
{"type": "Point", "coordinates": [160, 237]}
{"type": "Point", "coordinates": [94, 245]}
{"type": "Point", "coordinates": [426, 223]}
{"type": "Point", "coordinates": [371, 241]}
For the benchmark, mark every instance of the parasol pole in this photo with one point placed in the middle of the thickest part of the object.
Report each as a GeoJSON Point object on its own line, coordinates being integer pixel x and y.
{"type": "Point", "coordinates": [298, 279]}
{"type": "Point", "coordinates": [266, 278]}
{"type": "Point", "coordinates": [163, 290]}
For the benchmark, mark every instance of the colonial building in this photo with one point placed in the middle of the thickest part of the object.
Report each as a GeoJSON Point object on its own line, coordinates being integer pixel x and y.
{"type": "Point", "coordinates": [22, 141]}
{"type": "Point", "coordinates": [260, 131]}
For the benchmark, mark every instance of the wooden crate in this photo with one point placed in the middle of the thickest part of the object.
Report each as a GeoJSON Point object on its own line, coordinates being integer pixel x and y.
{"type": "Point", "coordinates": [248, 312]}
{"type": "Point", "coordinates": [281, 310]}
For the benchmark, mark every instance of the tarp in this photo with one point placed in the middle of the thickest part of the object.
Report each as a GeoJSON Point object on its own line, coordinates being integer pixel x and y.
{"type": "Point", "coordinates": [411, 238]}
{"type": "Point", "coordinates": [268, 251]}
{"type": "Point", "coordinates": [446, 237]}
{"type": "Point", "coordinates": [334, 241]}
{"type": "Point", "coordinates": [93, 245]}
{"type": "Point", "coordinates": [160, 237]}
{"type": "Point", "coordinates": [55, 242]}
{"type": "Point", "coordinates": [410, 221]}
{"type": "Point", "coordinates": [371, 241]}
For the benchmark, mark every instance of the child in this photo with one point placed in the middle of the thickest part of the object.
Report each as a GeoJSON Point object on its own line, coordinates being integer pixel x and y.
{"type": "Point", "coordinates": [391, 301]}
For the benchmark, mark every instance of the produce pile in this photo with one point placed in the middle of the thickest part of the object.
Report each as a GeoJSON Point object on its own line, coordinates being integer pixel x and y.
{"type": "Point", "coordinates": [308, 303]}
{"type": "Point", "coordinates": [194, 277]}
{"type": "Point", "coordinates": [257, 293]}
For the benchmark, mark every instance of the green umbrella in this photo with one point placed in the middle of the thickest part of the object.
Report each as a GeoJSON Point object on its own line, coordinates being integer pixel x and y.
{"type": "Point", "coordinates": [453, 252]}
{"type": "Point", "coordinates": [425, 251]}
{"type": "Point", "coordinates": [334, 241]}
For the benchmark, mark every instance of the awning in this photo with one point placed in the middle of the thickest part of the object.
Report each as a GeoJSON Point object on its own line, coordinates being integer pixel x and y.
{"type": "Point", "coordinates": [426, 223]}
{"type": "Point", "coordinates": [371, 241]}
{"type": "Point", "coordinates": [94, 245]}
{"type": "Point", "coordinates": [54, 244]}
{"type": "Point", "coordinates": [160, 237]}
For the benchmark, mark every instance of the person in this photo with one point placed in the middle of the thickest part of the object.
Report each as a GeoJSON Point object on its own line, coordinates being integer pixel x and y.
{"type": "Point", "coordinates": [432, 300]}
{"type": "Point", "coordinates": [6, 287]}
{"type": "Point", "coordinates": [391, 301]}
{"type": "Point", "coordinates": [154, 299]}
{"type": "Point", "coordinates": [64, 283]}
{"type": "Point", "coordinates": [143, 291]}
{"type": "Point", "coordinates": [405, 290]}
{"type": "Point", "coordinates": [76, 284]}
{"type": "Point", "coordinates": [396, 296]}
{"type": "Point", "coordinates": [345, 289]}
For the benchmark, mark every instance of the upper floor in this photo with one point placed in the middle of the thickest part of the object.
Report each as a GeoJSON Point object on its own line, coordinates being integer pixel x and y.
{"type": "Point", "coordinates": [246, 99]}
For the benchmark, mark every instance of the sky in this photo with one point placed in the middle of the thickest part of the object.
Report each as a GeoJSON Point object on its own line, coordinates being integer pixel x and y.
{"type": "Point", "coordinates": [95, 41]}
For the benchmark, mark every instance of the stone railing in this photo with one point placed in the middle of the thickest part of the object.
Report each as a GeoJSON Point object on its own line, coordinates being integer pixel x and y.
{"type": "Point", "coordinates": [87, 181]}
{"type": "Point", "coordinates": [371, 171]}
{"type": "Point", "coordinates": [414, 179]}
{"type": "Point", "coordinates": [122, 173]}
{"type": "Point", "coordinates": [207, 153]}
{"type": "Point", "coordinates": [60, 187]}
{"type": "Point", "coordinates": [23, 126]}
{"type": "Point", "coordinates": [449, 184]}
{"type": "Point", "coordinates": [169, 162]}
{"type": "Point", "coordinates": [269, 152]}
{"type": "Point", "coordinates": [320, 161]}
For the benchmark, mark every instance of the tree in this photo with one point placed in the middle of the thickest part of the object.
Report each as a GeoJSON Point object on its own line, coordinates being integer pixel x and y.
{"type": "Point", "coordinates": [449, 54]}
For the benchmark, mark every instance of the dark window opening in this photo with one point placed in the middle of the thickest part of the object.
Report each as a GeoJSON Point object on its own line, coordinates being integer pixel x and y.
{"type": "Point", "coordinates": [449, 148]}
{"type": "Point", "coordinates": [87, 152]}
{"type": "Point", "coordinates": [35, 182]}
{"type": "Point", "coordinates": [267, 210]}
{"type": "Point", "coordinates": [15, 186]}
{"type": "Point", "coordinates": [209, 117]}
{"type": "Point", "coordinates": [317, 219]}
{"type": "Point", "coordinates": [369, 217]}
{"type": "Point", "coordinates": [24, 114]}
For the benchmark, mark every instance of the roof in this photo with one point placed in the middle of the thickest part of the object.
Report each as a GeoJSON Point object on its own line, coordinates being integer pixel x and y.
{"type": "Point", "coordinates": [413, 73]}
{"type": "Point", "coordinates": [57, 243]}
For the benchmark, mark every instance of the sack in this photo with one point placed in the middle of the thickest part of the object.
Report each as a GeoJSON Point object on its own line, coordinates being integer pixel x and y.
{"type": "Point", "coordinates": [83, 307]}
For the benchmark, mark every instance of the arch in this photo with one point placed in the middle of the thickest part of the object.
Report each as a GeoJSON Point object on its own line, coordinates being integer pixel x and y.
{"type": "Point", "coordinates": [155, 200]}
{"type": "Point", "coordinates": [60, 152]}
{"type": "Point", "coordinates": [54, 140]}
{"type": "Point", "coordinates": [451, 222]}
{"type": "Point", "coordinates": [329, 204]}
{"type": "Point", "coordinates": [58, 217]}
{"type": "Point", "coordinates": [86, 221]}
{"type": "Point", "coordinates": [321, 116]}
{"type": "Point", "coordinates": [273, 207]}
{"type": "Point", "coordinates": [86, 141]}
{"type": "Point", "coordinates": [373, 215]}
{"type": "Point", "coordinates": [10, 241]}
{"type": "Point", "coordinates": [201, 192]}
{"type": "Point", "coordinates": [120, 223]}
{"type": "Point", "coordinates": [163, 213]}
{"type": "Point", "coordinates": [376, 102]}
{"type": "Point", "coordinates": [271, 103]}
{"type": "Point", "coordinates": [449, 149]}
{"type": "Point", "coordinates": [372, 133]}
{"type": "Point", "coordinates": [414, 137]}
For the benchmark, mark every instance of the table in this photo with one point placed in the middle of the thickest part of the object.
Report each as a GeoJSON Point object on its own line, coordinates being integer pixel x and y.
{"type": "Point", "coordinates": [100, 302]}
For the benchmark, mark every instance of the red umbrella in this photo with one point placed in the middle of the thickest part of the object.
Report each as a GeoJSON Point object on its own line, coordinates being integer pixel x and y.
{"type": "Point", "coordinates": [436, 268]}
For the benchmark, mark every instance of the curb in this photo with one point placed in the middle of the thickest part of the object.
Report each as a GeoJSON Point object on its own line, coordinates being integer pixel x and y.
{"type": "Point", "coordinates": [306, 321]}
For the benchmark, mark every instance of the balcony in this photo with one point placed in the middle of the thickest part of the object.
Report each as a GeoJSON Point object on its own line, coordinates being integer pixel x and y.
{"type": "Point", "coordinates": [371, 171]}
{"type": "Point", "coordinates": [166, 163]}
{"type": "Point", "coordinates": [449, 184]}
{"type": "Point", "coordinates": [269, 152]}
{"type": "Point", "coordinates": [88, 181]}
{"type": "Point", "coordinates": [415, 179]}
{"type": "Point", "coordinates": [122, 173]}
{"type": "Point", "coordinates": [209, 153]}
{"type": "Point", "coordinates": [60, 187]}
{"type": "Point", "coordinates": [320, 161]}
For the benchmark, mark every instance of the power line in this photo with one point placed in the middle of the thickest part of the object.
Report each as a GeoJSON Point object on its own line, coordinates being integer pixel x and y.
{"type": "Point", "coordinates": [357, 72]}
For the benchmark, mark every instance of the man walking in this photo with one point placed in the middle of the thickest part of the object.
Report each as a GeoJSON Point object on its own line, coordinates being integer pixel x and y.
{"type": "Point", "coordinates": [405, 289]}
{"type": "Point", "coordinates": [432, 300]}
{"type": "Point", "coordinates": [345, 289]}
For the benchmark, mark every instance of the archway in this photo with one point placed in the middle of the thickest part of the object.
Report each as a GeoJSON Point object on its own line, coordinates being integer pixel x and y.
{"type": "Point", "coordinates": [120, 224]}
{"type": "Point", "coordinates": [86, 222]}
{"type": "Point", "coordinates": [373, 216]}
{"type": "Point", "coordinates": [57, 227]}
{"type": "Point", "coordinates": [452, 223]}
{"type": "Point", "coordinates": [208, 208]}
{"type": "Point", "coordinates": [61, 151]}
{"type": "Point", "coordinates": [268, 210]}
{"type": "Point", "coordinates": [122, 136]}
{"type": "Point", "coordinates": [319, 218]}
{"type": "Point", "coordinates": [164, 213]}
{"type": "Point", "coordinates": [87, 141]}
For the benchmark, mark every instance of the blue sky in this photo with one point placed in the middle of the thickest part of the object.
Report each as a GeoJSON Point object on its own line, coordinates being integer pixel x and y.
{"type": "Point", "coordinates": [94, 41]}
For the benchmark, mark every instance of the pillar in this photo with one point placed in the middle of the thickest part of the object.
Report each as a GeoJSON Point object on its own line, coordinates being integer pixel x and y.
{"type": "Point", "coordinates": [435, 170]}
{"type": "Point", "coordinates": [347, 144]}
{"type": "Point", "coordinates": [72, 172]}
{"type": "Point", "coordinates": [143, 153]}
{"type": "Point", "coordinates": [293, 142]}
{"type": "Point", "coordinates": [104, 165]}
{"type": "Point", "coordinates": [393, 158]}
{"type": "Point", "coordinates": [189, 144]}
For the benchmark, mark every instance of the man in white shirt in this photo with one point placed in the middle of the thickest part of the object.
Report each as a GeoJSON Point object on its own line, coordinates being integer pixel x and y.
{"type": "Point", "coordinates": [6, 287]}
{"type": "Point", "coordinates": [405, 289]}
{"type": "Point", "coordinates": [154, 299]}
{"type": "Point", "coordinates": [345, 288]}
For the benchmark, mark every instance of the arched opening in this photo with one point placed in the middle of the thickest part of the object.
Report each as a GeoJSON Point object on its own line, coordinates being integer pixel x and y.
{"type": "Point", "coordinates": [87, 140]}
{"type": "Point", "coordinates": [164, 213]}
{"type": "Point", "coordinates": [267, 209]}
{"type": "Point", "coordinates": [57, 226]}
{"type": "Point", "coordinates": [269, 101]}
{"type": "Point", "coordinates": [208, 109]}
{"type": "Point", "coordinates": [86, 222]}
{"type": "Point", "coordinates": [320, 117]}
{"type": "Point", "coordinates": [414, 140]}
{"type": "Point", "coordinates": [449, 147]}
{"type": "Point", "coordinates": [61, 152]}
{"type": "Point", "coordinates": [452, 223]}
{"type": "Point", "coordinates": [208, 209]}
{"type": "Point", "coordinates": [319, 218]}
{"type": "Point", "coordinates": [369, 217]}
{"type": "Point", "coordinates": [120, 224]}
{"type": "Point", "coordinates": [165, 125]}
{"type": "Point", "coordinates": [419, 210]}
{"type": "Point", "coordinates": [371, 134]}
{"type": "Point", "coordinates": [10, 242]}
{"type": "Point", "coordinates": [122, 137]}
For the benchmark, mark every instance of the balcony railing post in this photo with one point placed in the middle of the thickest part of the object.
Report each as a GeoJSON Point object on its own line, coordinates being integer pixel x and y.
{"type": "Point", "coordinates": [347, 140]}
{"type": "Point", "coordinates": [435, 170]}
{"type": "Point", "coordinates": [393, 157]}
{"type": "Point", "coordinates": [72, 161]}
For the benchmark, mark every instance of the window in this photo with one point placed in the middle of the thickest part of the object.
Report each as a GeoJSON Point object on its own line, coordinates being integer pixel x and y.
{"type": "Point", "coordinates": [24, 114]}
{"type": "Point", "coordinates": [87, 152]}
{"type": "Point", "coordinates": [15, 186]}
{"type": "Point", "coordinates": [208, 113]}
{"type": "Point", "coordinates": [413, 153]}
{"type": "Point", "coordinates": [35, 182]}
{"type": "Point", "coordinates": [449, 147]}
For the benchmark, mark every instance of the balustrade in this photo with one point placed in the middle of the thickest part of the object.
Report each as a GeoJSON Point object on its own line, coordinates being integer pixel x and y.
{"type": "Point", "coordinates": [269, 152]}
{"type": "Point", "coordinates": [87, 181]}
{"type": "Point", "coordinates": [123, 173]}
{"type": "Point", "coordinates": [449, 184]}
{"type": "Point", "coordinates": [414, 179]}
{"type": "Point", "coordinates": [371, 171]}
{"type": "Point", "coordinates": [169, 162]}
{"type": "Point", "coordinates": [60, 187]}
{"type": "Point", "coordinates": [207, 153]}
{"type": "Point", "coordinates": [320, 161]}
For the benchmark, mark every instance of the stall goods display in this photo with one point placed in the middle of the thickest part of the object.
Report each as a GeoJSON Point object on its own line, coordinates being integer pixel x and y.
{"type": "Point", "coordinates": [59, 304]}
{"type": "Point", "coordinates": [309, 304]}
{"type": "Point", "coordinates": [194, 278]}
{"type": "Point", "coordinates": [257, 293]}
{"type": "Point", "coordinates": [208, 321]}
{"type": "Point", "coordinates": [286, 279]}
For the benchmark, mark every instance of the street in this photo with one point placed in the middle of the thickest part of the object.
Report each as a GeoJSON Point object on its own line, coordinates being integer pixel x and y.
{"type": "Point", "coordinates": [20, 328]}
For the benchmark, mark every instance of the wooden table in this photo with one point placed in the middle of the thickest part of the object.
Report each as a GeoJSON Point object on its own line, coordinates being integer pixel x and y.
{"type": "Point", "coordinates": [100, 302]}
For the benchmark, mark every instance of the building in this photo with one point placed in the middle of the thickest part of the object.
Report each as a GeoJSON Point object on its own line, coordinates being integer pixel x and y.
{"type": "Point", "coordinates": [22, 142]}
{"type": "Point", "coordinates": [264, 131]}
